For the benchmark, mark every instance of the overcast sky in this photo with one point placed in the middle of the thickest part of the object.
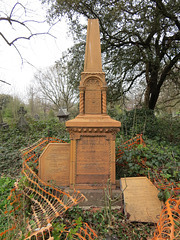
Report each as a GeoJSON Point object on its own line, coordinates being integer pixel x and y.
{"type": "Point", "coordinates": [40, 51]}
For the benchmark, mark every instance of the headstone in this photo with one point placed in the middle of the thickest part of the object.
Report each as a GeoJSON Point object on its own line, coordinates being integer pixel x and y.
{"type": "Point", "coordinates": [2, 124]}
{"type": "Point", "coordinates": [36, 117]}
{"type": "Point", "coordinates": [141, 199]}
{"type": "Point", "coordinates": [22, 124]}
{"type": "Point", "coordinates": [54, 164]}
{"type": "Point", "coordinates": [92, 132]}
{"type": "Point", "coordinates": [1, 119]}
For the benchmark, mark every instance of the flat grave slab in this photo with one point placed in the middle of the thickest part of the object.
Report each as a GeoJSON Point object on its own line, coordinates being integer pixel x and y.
{"type": "Point", "coordinates": [141, 199]}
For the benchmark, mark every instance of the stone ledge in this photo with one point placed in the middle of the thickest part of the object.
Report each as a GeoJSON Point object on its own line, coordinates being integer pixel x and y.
{"type": "Point", "coordinates": [96, 198]}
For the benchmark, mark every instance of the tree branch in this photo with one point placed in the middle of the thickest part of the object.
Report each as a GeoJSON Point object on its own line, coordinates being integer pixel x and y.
{"type": "Point", "coordinates": [5, 82]}
{"type": "Point", "coordinates": [166, 13]}
{"type": "Point", "coordinates": [167, 69]}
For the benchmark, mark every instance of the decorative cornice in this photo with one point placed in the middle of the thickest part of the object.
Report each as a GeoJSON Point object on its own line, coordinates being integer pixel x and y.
{"type": "Point", "coordinates": [112, 130]}
{"type": "Point", "coordinates": [92, 73]}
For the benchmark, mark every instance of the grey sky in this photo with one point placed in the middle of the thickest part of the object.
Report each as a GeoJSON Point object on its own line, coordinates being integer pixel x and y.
{"type": "Point", "coordinates": [40, 51]}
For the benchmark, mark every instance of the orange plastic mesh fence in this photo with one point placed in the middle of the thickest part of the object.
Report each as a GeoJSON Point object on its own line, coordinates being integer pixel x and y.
{"type": "Point", "coordinates": [43, 233]}
{"type": "Point", "coordinates": [128, 145]}
{"type": "Point", "coordinates": [15, 201]}
{"type": "Point", "coordinates": [47, 202]}
{"type": "Point", "coordinates": [168, 226]}
{"type": "Point", "coordinates": [163, 183]}
{"type": "Point", "coordinates": [83, 232]}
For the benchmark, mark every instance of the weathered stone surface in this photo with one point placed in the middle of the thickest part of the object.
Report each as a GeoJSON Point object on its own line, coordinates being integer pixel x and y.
{"type": "Point", "coordinates": [22, 124]}
{"type": "Point", "coordinates": [92, 132]}
{"type": "Point", "coordinates": [93, 102]}
{"type": "Point", "coordinates": [98, 198]}
{"type": "Point", "coordinates": [92, 61]}
{"type": "Point", "coordinates": [141, 199]}
{"type": "Point", "coordinates": [92, 160]}
{"type": "Point", "coordinates": [54, 164]}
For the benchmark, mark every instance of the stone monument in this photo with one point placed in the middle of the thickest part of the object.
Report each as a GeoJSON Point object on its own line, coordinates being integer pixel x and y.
{"type": "Point", "coordinates": [22, 124]}
{"type": "Point", "coordinates": [92, 132]}
{"type": "Point", "coordinates": [2, 124]}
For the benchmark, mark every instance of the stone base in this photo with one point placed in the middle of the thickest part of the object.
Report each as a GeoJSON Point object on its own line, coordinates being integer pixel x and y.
{"type": "Point", "coordinates": [92, 161]}
{"type": "Point", "coordinates": [99, 197]}
{"type": "Point", "coordinates": [92, 187]}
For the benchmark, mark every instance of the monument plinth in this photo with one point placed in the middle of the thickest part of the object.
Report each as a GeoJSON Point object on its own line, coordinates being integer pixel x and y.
{"type": "Point", "coordinates": [92, 132]}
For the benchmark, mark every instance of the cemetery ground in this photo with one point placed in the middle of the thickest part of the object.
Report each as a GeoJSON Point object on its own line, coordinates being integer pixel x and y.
{"type": "Point", "coordinates": [162, 153]}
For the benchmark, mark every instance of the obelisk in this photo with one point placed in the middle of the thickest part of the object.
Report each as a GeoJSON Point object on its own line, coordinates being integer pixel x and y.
{"type": "Point", "coordinates": [92, 132]}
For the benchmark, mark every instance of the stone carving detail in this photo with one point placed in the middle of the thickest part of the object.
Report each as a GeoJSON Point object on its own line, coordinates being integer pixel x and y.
{"type": "Point", "coordinates": [100, 76]}
{"type": "Point", "coordinates": [104, 102]}
{"type": "Point", "coordinates": [92, 83]}
{"type": "Point", "coordinates": [93, 130]}
{"type": "Point", "coordinates": [110, 159]}
{"type": "Point", "coordinates": [81, 104]}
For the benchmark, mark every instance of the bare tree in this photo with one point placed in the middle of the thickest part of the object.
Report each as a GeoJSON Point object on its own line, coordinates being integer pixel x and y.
{"type": "Point", "coordinates": [17, 24]}
{"type": "Point", "coordinates": [55, 86]}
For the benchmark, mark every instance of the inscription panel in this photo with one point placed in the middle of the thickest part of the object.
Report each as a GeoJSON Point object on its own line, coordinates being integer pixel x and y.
{"type": "Point", "coordinates": [92, 160]}
{"type": "Point", "coordinates": [93, 102]}
{"type": "Point", "coordinates": [54, 164]}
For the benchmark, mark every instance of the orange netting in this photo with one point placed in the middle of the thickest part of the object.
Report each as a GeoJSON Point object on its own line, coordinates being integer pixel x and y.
{"type": "Point", "coordinates": [168, 226]}
{"type": "Point", "coordinates": [128, 145]}
{"type": "Point", "coordinates": [82, 233]}
{"type": "Point", "coordinates": [47, 202]}
{"type": "Point", "coordinates": [43, 233]}
{"type": "Point", "coordinates": [163, 183]}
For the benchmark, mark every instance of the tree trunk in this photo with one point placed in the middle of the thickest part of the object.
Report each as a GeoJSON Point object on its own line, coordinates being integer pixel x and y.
{"type": "Point", "coordinates": [147, 96]}
{"type": "Point", "coordinates": [152, 89]}
{"type": "Point", "coordinates": [153, 99]}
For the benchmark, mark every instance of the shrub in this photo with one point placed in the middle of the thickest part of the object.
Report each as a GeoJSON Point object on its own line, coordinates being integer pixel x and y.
{"type": "Point", "coordinates": [153, 127]}
{"type": "Point", "coordinates": [13, 139]}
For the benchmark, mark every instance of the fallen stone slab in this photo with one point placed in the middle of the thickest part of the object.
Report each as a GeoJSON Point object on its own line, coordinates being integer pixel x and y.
{"type": "Point", "coordinates": [141, 201]}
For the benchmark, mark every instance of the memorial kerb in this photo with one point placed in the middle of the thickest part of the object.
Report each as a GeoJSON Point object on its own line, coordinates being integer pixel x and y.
{"type": "Point", "coordinates": [54, 164]}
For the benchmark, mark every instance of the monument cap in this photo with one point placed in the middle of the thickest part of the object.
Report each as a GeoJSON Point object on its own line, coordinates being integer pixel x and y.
{"type": "Point", "coordinates": [92, 61]}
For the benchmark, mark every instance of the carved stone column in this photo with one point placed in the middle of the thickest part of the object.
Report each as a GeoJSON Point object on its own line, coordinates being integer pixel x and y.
{"type": "Point", "coordinates": [81, 100]}
{"type": "Point", "coordinates": [104, 109]}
